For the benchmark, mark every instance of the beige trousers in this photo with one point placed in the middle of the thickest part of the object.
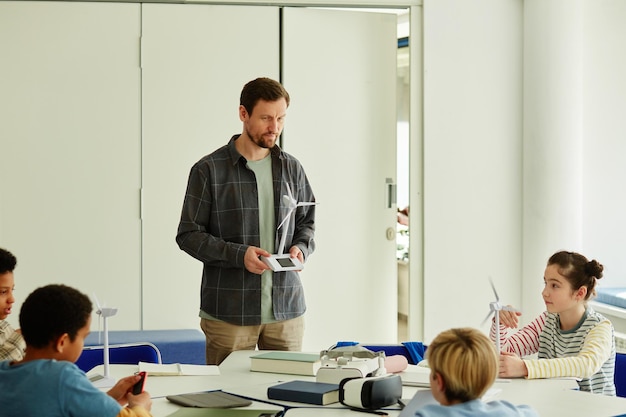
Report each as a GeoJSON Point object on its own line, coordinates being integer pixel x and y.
{"type": "Point", "coordinates": [223, 338]}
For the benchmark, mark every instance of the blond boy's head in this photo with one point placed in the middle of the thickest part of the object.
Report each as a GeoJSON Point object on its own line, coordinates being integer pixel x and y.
{"type": "Point", "coordinates": [463, 364]}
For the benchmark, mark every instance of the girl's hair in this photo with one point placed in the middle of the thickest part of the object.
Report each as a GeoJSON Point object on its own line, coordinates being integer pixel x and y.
{"type": "Point", "coordinates": [466, 360]}
{"type": "Point", "coordinates": [578, 270]}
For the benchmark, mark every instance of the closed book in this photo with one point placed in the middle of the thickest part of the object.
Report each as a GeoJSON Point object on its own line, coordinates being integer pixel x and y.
{"type": "Point", "coordinates": [285, 362]}
{"type": "Point", "coordinates": [225, 412]}
{"type": "Point", "coordinates": [310, 392]}
{"type": "Point", "coordinates": [212, 399]}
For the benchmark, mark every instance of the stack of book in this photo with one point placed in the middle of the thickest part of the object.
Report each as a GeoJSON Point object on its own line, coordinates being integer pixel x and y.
{"type": "Point", "coordinates": [286, 362]}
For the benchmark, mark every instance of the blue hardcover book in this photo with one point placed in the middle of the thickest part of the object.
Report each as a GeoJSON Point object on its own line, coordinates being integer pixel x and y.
{"type": "Point", "coordinates": [309, 392]}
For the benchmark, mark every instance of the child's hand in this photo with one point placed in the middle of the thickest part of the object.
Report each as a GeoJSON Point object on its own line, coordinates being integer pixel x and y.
{"type": "Point", "coordinates": [123, 387]}
{"type": "Point", "coordinates": [142, 400]}
{"type": "Point", "coordinates": [509, 318]}
{"type": "Point", "coordinates": [511, 366]}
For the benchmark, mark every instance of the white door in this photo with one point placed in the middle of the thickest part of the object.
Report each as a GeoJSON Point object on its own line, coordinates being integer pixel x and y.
{"type": "Point", "coordinates": [195, 61]}
{"type": "Point", "coordinates": [340, 70]}
{"type": "Point", "coordinates": [70, 149]}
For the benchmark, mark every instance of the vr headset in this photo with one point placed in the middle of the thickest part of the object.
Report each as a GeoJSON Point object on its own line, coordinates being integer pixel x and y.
{"type": "Point", "coordinates": [370, 393]}
{"type": "Point", "coordinates": [350, 362]}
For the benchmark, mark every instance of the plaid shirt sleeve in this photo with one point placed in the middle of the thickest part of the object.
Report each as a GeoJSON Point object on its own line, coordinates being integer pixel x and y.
{"type": "Point", "coordinates": [12, 343]}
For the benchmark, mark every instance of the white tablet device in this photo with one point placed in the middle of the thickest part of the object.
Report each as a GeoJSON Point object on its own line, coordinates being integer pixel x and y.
{"type": "Point", "coordinates": [283, 262]}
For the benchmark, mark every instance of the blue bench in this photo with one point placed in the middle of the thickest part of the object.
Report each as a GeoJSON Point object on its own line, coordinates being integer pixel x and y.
{"type": "Point", "coordinates": [615, 296]}
{"type": "Point", "coordinates": [131, 353]}
{"type": "Point", "coordinates": [176, 346]}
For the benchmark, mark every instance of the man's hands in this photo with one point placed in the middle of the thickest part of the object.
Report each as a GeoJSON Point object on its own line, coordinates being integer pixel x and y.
{"type": "Point", "coordinates": [295, 252]}
{"type": "Point", "coordinates": [253, 263]}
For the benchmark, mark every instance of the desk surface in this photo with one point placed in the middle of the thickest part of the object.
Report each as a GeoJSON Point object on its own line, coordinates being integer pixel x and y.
{"type": "Point", "coordinates": [550, 397]}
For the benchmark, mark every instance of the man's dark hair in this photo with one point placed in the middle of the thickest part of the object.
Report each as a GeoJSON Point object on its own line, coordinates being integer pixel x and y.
{"type": "Point", "coordinates": [262, 89]}
{"type": "Point", "coordinates": [52, 310]}
{"type": "Point", "coordinates": [7, 261]}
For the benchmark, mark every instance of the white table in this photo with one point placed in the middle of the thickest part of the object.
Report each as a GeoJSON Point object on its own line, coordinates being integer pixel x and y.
{"type": "Point", "coordinates": [550, 397]}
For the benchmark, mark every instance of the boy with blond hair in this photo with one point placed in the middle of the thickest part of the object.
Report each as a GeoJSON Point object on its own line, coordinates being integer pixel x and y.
{"type": "Point", "coordinates": [463, 365]}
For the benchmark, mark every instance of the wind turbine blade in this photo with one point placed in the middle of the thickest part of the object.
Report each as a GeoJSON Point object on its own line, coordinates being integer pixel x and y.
{"type": "Point", "coordinates": [289, 190]}
{"type": "Point", "coordinates": [486, 318]}
{"type": "Point", "coordinates": [95, 297]}
{"type": "Point", "coordinates": [306, 204]}
{"type": "Point", "coordinates": [493, 287]}
{"type": "Point", "coordinates": [285, 219]}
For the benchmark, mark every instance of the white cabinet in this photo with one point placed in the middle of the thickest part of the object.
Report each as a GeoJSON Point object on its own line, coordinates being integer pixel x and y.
{"type": "Point", "coordinates": [195, 61]}
{"type": "Point", "coordinates": [70, 145]}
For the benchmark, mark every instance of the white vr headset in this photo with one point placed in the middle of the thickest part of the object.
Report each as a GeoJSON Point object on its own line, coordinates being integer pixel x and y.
{"type": "Point", "coordinates": [350, 362]}
{"type": "Point", "coordinates": [363, 380]}
{"type": "Point", "coordinates": [370, 393]}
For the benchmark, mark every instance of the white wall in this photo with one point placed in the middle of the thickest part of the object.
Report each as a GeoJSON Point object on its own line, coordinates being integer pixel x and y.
{"type": "Point", "coordinates": [472, 164]}
{"type": "Point", "coordinates": [69, 172]}
{"type": "Point", "coordinates": [524, 137]}
{"type": "Point", "coordinates": [574, 130]}
{"type": "Point", "coordinates": [604, 132]}
{"type": "Point", "coordinates": [552, 153]}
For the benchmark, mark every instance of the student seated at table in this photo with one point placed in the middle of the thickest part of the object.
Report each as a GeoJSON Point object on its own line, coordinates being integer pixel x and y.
{"type": "Point", "coordinates": [11, 341]}
{"type": "Point", "coordinates": [55, 320]}
{"type": "Point", "coordinates": [571, 339]}
{"type": "Point", "coordinates": [463, 365]}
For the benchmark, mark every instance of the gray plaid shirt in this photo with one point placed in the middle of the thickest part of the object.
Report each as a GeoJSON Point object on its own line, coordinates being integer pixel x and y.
{"type": "Point", "coordinates": [220, 220]}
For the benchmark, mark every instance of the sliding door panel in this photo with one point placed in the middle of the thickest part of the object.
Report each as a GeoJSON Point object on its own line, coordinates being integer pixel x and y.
{"type": "Point", "coordinates": [70, 147]}
{"type": "Point", "coordinates": [195, 61]}
{"type": "Point", "coordinates": [340, 69]}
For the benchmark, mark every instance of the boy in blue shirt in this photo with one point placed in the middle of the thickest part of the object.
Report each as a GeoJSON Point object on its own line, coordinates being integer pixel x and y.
{"type": "Point", "coordinates": [55, 320]}
{"type": "Point", "coordinates": [463, 365]}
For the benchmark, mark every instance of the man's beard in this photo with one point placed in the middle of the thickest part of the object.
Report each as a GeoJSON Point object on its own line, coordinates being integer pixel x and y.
{"type": "Point", "coordinates": [260, 142]}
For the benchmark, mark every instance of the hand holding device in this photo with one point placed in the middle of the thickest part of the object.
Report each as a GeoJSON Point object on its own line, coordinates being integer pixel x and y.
{"type": "Point", "coordinates": [139, 385]}
{"type": "Point", "coordinates": [283, 262]}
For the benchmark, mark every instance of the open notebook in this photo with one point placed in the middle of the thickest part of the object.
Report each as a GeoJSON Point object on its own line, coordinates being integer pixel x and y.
{"type": "Point", "coordinates": [156, 369]}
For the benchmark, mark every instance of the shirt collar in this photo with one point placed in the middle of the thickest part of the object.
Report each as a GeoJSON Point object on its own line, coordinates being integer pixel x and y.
{"type": "Point", "coordinates": [235, 156]}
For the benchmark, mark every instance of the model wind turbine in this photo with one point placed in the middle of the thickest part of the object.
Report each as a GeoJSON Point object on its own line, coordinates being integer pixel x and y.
{"type": "Point", "coordinates": [283, 261]}
{"type": "Point", "coordinates": [495, 307]}
{"type": "Point", "coordinates": [99, 380]}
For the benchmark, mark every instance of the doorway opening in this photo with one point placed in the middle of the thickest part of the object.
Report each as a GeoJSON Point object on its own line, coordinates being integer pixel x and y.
{"type": "Point", "coordinates": [402, 175]}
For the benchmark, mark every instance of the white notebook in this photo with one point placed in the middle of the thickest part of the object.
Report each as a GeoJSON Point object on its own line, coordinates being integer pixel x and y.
{"type": "Point", "coordinates": [157, 369]}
